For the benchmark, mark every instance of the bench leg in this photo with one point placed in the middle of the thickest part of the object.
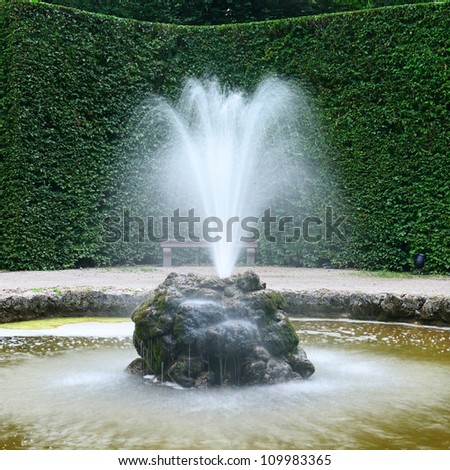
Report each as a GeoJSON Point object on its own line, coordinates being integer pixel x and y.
{"type": "Point", "coordinates": [167, 257]}
{"type": "Point", "coordinates": [251, 255]}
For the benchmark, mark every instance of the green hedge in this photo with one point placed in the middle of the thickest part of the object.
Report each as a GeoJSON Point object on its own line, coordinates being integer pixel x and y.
{"type": "Point", "coordinates": [206, 12]}
{"type": "Point", "coordinates": [74, 152]}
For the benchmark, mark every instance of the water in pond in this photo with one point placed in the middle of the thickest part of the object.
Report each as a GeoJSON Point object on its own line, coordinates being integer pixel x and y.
{"type": "Point", "coordinates": [376, 386]}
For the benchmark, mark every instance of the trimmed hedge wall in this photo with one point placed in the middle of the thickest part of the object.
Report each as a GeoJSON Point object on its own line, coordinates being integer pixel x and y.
{"type": "Point", "coordinates": [73, 148]}
{"type": "Point", "coordinates": [207, 12]}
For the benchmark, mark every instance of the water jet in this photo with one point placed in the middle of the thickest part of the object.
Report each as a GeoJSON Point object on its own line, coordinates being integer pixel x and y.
{"type": "Point", "coordinates": [228, 154]}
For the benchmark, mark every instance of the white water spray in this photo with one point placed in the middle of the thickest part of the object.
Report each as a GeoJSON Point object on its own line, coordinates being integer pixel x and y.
{"type": "Point", "coordinates": [228, 153]}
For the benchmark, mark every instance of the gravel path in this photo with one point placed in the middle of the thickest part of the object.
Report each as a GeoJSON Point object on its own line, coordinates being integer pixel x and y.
{"type": "Point", "coordinates": [278, 278]}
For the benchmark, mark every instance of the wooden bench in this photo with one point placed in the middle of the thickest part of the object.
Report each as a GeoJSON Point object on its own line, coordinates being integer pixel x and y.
{"type": "Point", "coordinates": [169, 244]}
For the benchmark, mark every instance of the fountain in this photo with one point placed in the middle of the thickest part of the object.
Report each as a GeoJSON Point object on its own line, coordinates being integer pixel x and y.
{"type": "Point", "coordinates": [200, 332]}
{"type": "Point", "coordinates": [65, 389]}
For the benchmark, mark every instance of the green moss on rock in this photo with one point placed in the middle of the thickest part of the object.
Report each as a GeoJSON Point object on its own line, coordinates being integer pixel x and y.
{"type": "Point", "coordinates": [269, 302]}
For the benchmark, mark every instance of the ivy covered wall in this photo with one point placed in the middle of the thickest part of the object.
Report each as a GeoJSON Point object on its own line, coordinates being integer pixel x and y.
{"type": "Point", "coordinates": [72, 83]}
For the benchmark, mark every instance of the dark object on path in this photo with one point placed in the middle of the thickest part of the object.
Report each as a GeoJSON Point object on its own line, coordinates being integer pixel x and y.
{"type": "Point", "coordinates": [419, 261]}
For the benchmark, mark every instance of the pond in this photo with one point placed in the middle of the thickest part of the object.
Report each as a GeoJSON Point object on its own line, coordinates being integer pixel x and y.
{"type": "Point", "coordinates": [376, 386]}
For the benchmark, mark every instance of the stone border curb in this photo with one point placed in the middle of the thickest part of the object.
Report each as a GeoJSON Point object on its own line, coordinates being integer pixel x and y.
{"type": "Point", "coordinates": [21, 306]}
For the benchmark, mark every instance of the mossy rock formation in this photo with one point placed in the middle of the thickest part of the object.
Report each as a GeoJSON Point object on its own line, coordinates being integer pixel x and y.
{"type": "Point", "coordinates": [205, 331]}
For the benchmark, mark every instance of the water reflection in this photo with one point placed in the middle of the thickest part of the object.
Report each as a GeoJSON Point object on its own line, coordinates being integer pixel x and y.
{"type": "Point", "coordinates": [376, 386]}
{"type": "Point", "coordinates": [406, 339]}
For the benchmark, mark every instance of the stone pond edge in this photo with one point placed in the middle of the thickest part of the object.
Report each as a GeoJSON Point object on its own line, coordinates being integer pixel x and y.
{"type": "Point", "coordinates": [323, 303]}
